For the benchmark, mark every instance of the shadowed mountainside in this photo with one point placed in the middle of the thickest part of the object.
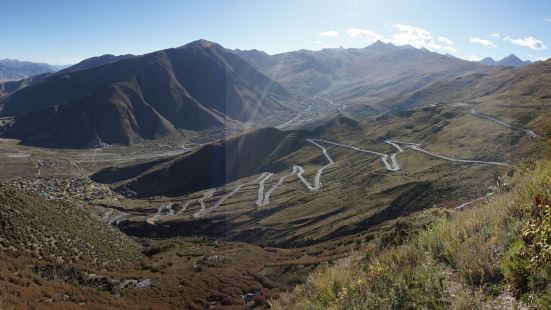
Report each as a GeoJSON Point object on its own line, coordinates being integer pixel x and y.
{"type": "Point", "coordinates": [210, 166]}
{"type": "Point", "coordinates": [197, 86]}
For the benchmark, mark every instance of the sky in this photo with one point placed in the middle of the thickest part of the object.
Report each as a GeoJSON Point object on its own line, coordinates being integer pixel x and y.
{"type": "Point", "coordinates": [66, 31]}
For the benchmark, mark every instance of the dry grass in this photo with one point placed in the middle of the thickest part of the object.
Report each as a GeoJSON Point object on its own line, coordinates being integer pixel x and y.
{"type": "Point", "coordinates": [459, 262]}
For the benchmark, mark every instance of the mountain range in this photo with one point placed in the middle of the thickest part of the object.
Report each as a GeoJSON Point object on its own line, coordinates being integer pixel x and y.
{"type": "Point", "coordinates": [509, 61]}
{"type": "Point", "coordinates": [201, 85]}
{"type": "Point", "coordinates": [12, 69]}
{"type": "Point", "coordinates": [13, 86]}
{"type": "Point", "coordinates": [197, 86]}
{"type": "Point", "coordinates": [359, 75]}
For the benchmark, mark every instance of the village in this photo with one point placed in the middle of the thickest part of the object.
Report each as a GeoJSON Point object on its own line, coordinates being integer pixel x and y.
{"type": "Point", "coordinates": [62, 188]}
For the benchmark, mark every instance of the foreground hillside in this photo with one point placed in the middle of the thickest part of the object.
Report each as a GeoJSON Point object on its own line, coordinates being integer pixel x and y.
{"type": "Point", "coordinates": [493, 254]}
{"type": "Point", "coordinates": [56, 255]}
{"type": "Point", "coordinates": [45, 247]}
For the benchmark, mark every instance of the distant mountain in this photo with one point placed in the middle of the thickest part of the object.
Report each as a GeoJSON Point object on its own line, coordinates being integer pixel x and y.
{"type": "Point", "coordinates": [12, 69]}
{"type": "Point", "coordinates": [197, 86]}
{"type": "Point", "coordinates": [529, 82]}
{"type": "Point", "coordinates": [359, 75]}
{"type": "Point", "coordinates": [13, 86]}
{"type": "Point", "coordinates": [95, 61]}
{"type": "Point", "coordinates": [509, 61]}
{"type": "Point", "coordinates": [488, 61]}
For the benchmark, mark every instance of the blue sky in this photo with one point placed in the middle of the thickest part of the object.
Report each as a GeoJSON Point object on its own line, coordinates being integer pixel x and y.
{"type": "Point", "coordinates": [67, 31]}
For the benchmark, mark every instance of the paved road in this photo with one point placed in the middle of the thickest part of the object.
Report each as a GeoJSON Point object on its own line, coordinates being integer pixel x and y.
{"type": "Point", "coordinates": [529, 132]}
{"type": "Point", "coordinates": [263, 197]}
{"type": "Point", "coordinates": [316, 99]}
{"type": "Point", "coordinates": [419, 149]}
{"type": "Point", "coordinates": [111, 218]}
{"type": "Point", "coordinates": [264, 200]}
{"type": "Point", "coordinates": [475, 200]}
{"type": "Point", "coordinates": [393, 165]}
{"type": "Point", "coordinates": [183, 207]}
{"type": "Point", "coordinates": [472, 111]}
{"type": "Point", "coordinates": [317, 183]}
{"type": "Point", "coordinates": [262, 176]}
{"type": "Point", "coordinates": [201, 201]}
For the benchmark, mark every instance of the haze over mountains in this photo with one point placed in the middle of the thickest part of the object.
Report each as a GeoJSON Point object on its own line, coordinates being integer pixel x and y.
{"type": "Point", "coordinates": [360, 75]}
{"type": "Point", "coordinates": [12, 70]}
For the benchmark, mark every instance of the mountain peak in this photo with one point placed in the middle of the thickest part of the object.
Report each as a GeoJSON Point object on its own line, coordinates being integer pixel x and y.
{"type": "Point", "coordinates": [513, 61]}
{"type": "Point", "coordinates": [380, 44]}
{"type": "Point", "coordinates": [201, 43]}
{"type": "Point", "coordinates": [511, 57]}
{"type": "Point", "coordinates": [509, 61]}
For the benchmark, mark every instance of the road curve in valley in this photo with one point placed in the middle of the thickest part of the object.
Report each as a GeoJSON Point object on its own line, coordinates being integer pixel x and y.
{"type": "Point", "coordinates": [529, 132]}
{"type": "Point", "coordinates": [323, 96]}
{"type": "Point", "coordinates": [468, 161]}
{"type": "Point", "coordinates": [201, 201]}
{"type": "Point", "coordinates": [389, 161]}
{"type": "Point", "coordinates": [473, 201]}
{"type": "Point", "coordinates": [496, 120]}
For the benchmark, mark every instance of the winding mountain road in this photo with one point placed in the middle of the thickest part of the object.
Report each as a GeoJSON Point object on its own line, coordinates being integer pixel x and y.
{"type": "Point", "coordinates": [529, 132]}
{"type": "Point", "coordinates": [323, 96]}
{"type": "Point", "coordinates": [419, 149]}
{"type": "Point", "coordinates": [473, 111]}
{"type": "Point", "coordinates": [473, 201]}
{"type": "Point", "coordinates": [390, 162]}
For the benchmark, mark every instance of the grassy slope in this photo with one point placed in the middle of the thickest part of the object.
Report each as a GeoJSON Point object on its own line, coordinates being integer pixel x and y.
{"type": "Point", "coordinates": [481, 256]}
{"type": "Point", "coordinates": [296, 217]}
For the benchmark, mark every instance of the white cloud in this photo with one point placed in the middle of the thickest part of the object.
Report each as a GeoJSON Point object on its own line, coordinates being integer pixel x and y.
{"type": "Point", "coordinates": [483, 42]}
{"type": "Point", "coordinates": [541, 58]}
{"type": "Point", "coordinates": [406, 35]}
{"type": "Point", "coordinates": [445, 40]}
{"type": "Point", "coordinates": [364, 34]}
{"type": "Point", "coordinates": [475, 58]}
{"type": "Point", "coordinates": [529, 42]}
{"type": "Point", "coordinates": [547, 19]}
{"type": "Point", "coordinates": [419, 38]}
{"type": "Point", "coordinates": [321, 44]}
{"type": "Point", "coordinates": [328, 33]}
{"type": "Point", "coordinates": [496, 35]}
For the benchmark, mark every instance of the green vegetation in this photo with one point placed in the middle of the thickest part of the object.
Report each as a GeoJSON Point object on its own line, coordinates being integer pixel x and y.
{"type": "Point", "coordinates": [496, 254]}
